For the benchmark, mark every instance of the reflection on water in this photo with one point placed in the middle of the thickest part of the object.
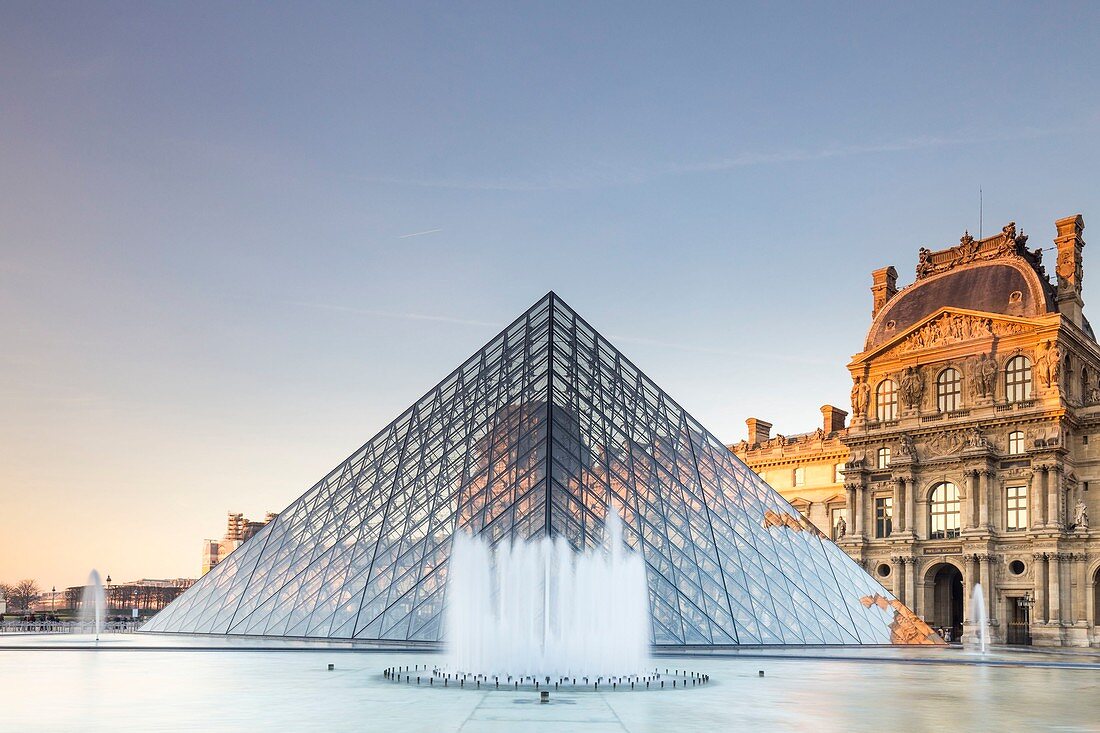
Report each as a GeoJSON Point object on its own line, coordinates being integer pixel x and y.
{"type": "Point", "coordinates": [150, 688]}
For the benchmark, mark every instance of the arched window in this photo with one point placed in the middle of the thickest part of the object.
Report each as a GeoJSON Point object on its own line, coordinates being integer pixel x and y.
{"type": "Point", "coordinates": [883, 460]}
{"type": "Point", "coordinates": [1015, 442]}
{"type": "Point", "coordinates": [886, 400]}
{"type": "Point", "coordinates": [800, 476]}
{"type": "Point", "coordinates": [948, 390]}
{"type": "Point", "coordinates": [1084, 394]}
{"type": "Point", "coordinates": [1018, 379]}
{"type": "Point", "coordinates": [838, 473]}
{"type": "Point", "coordinates": [944, 511]}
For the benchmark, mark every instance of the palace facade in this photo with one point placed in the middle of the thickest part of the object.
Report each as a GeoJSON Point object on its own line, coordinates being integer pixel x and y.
{"type": "Point", "coordinates": [967, 460]}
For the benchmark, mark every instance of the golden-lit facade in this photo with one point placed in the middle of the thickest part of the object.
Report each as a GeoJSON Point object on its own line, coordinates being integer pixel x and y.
{"type": "Point", "coordinates": [968, 458]}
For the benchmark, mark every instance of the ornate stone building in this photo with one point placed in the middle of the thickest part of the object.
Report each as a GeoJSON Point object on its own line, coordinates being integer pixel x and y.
{"type": "Point", "coordinates": [968, 455]}
{"type": "Point", "coordinates": [808, 469]}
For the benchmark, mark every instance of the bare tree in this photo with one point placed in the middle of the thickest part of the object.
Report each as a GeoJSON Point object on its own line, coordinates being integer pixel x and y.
{"type": "Point", "coordinates": [24, 593]}
{"type": "Point", "coordinates": [6, 593]}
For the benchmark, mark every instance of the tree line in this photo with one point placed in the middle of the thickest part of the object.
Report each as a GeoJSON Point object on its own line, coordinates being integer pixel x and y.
{"type": "Point", "coordinates": [20, 595]}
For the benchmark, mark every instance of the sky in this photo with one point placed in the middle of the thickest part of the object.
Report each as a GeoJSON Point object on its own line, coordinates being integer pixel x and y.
{"type": "Point", "coordinates": [237, 239]}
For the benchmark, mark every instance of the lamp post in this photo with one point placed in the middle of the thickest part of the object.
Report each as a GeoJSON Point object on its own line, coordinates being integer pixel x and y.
{"type": "Point", "coordinates": [107, 600]}
{"type": "Point", "coordinates": [53, 599]}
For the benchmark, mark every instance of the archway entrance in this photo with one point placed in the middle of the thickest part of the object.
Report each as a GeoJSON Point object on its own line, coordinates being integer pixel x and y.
{"type": "Point", "coordinates": [947, 601]}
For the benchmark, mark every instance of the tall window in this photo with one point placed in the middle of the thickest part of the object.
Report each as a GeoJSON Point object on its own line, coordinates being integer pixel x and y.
{"type": "Point", "coordinates": [1018, 379]}
{"type": "Point", "coordinates": [800, 477]}
{"type": "Point", "coordinates": [944, 511]}
{"type": "Point", "coordinates": [886, 400]}
{"type": "Point", "coordinates": [1016, 505]}
{"type": "Point", "coordinates": [884, 515]}
{"type": "Point", "coordinates": [838, 473]}
{"type": "Point", "coordinates": [948, 390]}
{"type": "Point", "coordinates": [883, 458]}
{"type": "Point", "coordinates": [1015, 442]}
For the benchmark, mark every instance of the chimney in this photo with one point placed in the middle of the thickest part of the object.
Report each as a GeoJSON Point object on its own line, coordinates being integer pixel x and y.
{"type": "Point", "coordinates": [759, 431]}
{"type": "Point", "coordinates": [832, 418]}
{"type": "Point", "coordinates": [884, 285]}
{"type": "Point", "coordinates": [1068, 269]}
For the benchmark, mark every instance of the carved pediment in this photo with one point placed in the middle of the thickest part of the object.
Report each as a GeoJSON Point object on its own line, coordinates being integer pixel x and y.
{"type": "Point", "coordinates": [947, 327]}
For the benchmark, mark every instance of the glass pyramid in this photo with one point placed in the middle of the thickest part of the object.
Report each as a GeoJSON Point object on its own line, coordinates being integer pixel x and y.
{"type": "Point", "coordinates": [537, 433]}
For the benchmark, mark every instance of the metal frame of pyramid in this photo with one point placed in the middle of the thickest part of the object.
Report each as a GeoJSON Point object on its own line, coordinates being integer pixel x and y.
{"type": "Point", "coordinates": [537, 433]}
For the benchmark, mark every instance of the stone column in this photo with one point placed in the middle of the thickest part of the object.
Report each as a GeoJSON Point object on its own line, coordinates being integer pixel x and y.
{"type": "Point", "coordinates": [984, 479]}
{"type": "Point", "coordinates": [1054, 598]}
{"type": "Point", "coordinates": [899, 512]}
{"type": "Point", "coordinates": [968, 586]}
{"type": "Point", "coordinates": [1034, 489]}
{"type": "Point", "coordinates": [850, 507]}
{"type": "Point", "coordinates": [1080, 612]}
{"type": "Point", "coordinates": [1041, 605]}
{"type": "Point", "coordinates": [1054, 488]}
{"type": "Point", "coordinates": [910, 505]}
{"type": "Point", "coordinates": [1041, 495]}
{"type": "Point", "coordinates": [898, 563]}
{"type": "Point", "coordinates": [859, 509]}
{"type": "Point", "coordinates": [911, 599]}
{"type": "Point", "coordinates": [987, 585]}
{"type": "Point", "coordinates": [972, 498]}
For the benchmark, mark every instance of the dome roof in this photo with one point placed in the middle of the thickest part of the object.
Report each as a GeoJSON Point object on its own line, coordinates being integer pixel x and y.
{"type": "Point", "coordinates": [994, 275]}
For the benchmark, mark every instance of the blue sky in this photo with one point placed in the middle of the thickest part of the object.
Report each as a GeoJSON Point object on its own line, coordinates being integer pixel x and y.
{"type": "Point", "coordinates": [237, 239]}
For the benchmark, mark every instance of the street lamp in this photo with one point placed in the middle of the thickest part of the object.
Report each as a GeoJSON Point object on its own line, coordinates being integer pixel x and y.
{"type": "Point", "coordinates": [53, 599]}
{"type": "Point", "coordinates": [108, 599]}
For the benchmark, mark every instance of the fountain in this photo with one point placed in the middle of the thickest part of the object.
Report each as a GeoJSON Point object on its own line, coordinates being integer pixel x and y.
{"type": "Point", "coordinates": [978, 616]}
{"type": "Point", "coordinates": [93, 604]}
{"type": "Point", "coordinates": [538, 608]}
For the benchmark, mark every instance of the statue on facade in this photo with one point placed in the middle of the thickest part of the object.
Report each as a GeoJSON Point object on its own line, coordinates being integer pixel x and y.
{"type": "Point", "coordinates": [861, 395]}
{"type": "Point", "coordinates": [906, 448]}
{"type": "Point", "coordinates": [973, 438]}
{"type": "Point", "coordinates": [912, 387]}
{"type": "Point", "coordinates": [1048, 364]}
{"type": "Point", "coordinates": [924, 263]}
{"type": "Point", "coordinates": [841, 528]}
{"type": "Point", "coordinates": [1080, 516]}
{"type": "Point", "coordinates": [984, 371]}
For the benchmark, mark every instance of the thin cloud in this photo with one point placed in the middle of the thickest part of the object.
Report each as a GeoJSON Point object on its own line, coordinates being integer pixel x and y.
{"type": "Point", "coordinates": [400, 316]}
{"type": "Point", "coordinates": [419, 234]}
{"type": "Point", "coordinates": [801, 155]}
{"type": "Point", "coordinates": [604, 177]}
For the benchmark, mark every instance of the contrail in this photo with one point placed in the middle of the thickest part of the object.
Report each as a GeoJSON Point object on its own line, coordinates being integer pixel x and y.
{"type": "Point", "coordinates": [418, 234]}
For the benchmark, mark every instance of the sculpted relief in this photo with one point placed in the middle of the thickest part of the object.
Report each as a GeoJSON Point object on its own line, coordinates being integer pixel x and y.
{"type": "Point", "coordinates": [954, 328]}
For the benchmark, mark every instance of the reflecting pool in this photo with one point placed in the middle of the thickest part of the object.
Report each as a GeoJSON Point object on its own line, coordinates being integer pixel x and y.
{"type": "Point", "coordinates": [138, 682]}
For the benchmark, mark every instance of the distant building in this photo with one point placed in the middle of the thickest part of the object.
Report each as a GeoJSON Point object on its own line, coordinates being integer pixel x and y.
{"type": "Point", "coordinates": [145, 595]}
{"type": "Point", "coordinates": [968, 459]}
{"type": "Point", "coordinates": [238, 530]}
